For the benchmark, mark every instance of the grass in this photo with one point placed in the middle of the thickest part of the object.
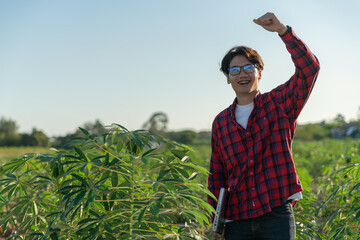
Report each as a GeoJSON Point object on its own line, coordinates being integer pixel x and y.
{"type": "Point", "coordinates": [8, 153]}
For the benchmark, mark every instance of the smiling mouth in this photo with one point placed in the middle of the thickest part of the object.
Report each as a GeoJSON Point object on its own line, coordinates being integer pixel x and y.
{"type": "Point", "coordinates": [244, 82]}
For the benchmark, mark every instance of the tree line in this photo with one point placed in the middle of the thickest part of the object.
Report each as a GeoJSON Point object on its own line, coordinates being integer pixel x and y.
{"type": "Point", "coordinates": [157, 124]}
{"type": "Point", "coordinates": [10, 135]}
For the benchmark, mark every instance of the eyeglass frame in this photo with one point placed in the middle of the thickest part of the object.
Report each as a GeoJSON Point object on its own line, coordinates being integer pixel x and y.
{"type": "Point", "coordinates": [242, 67]}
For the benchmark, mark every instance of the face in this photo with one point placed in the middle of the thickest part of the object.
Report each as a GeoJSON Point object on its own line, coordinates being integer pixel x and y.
{"type": "Point", "coordinates": [245, 85]}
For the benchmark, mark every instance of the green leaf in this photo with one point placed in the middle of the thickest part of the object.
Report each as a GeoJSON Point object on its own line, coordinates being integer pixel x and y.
{"type": "Point", "coordinates": [45, 158]}
{"type": "Point", "coordinates": [35, 208]}
{"type": "Point", "coordinates": [91, 196]}
{"type": "Point", "coordinates": [10, 190]}
{"type": "Point", "coordinates": [95, 214]}
{"type": "Point", "coordinates": [196, 167]}
{"type": "Point", "coordinates": [88, 220]}
{"type": "Point", "coordinates": [355, 188]}
{"type": "Point", "coordinates": [162, 174]}
{"type": "Point", "coordinates": [113, 196]}
{"type": "Point", "coordinates": [97, 161]}
{"type": "Point", "coordinates": [179, 153]}
{"type": "Point", "coordinates": [54, 236]}
{"type": "Point", "coordinates": [14, 165]}
{"type": "Point", "coordinates": [74, 213]}
{"type": "Point", "coordinates": [79, 197]}
{"type": "Point", "coordinates": [154, 209]}
{"type": "Point", "coordinates": [182, 172]}
{"type": "Point", "coordinates": [81, 154]}
{"type": "Point", "coordinates": [114, 179]}
{"type": "Point", "coordinates": [81, 179]}
{"type": "Point", "coordinates": [141, 215]}
{"type": "Point", "coordinates": [121, 127]}
{"type": "Point", "coordinates": [105, 203]}
{"type": "Point", "coordinates": [357, 216]}
{"type": "Point", "coordinates": [169, 186]}
{"type": "Point", "coordinates": [86, 133]}
{"type": "Point", "coordinates": [145, 160]}
{"type": "Point", "coordinates": [148, 152]}
{"type": "Point", "coordinates": [12, 176]}
{"type": "Point", "coordinates": [106, 161]}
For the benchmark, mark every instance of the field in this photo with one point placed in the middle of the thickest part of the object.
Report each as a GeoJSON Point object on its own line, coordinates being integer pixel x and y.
{"type": "Point", "coordinates": [329, 171]}
{"type": "Point", "coordinates": [330, 174]}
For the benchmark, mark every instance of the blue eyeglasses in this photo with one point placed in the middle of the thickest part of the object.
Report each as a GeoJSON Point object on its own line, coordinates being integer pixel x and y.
{"type": "Point", "coordinates": [236, 70]}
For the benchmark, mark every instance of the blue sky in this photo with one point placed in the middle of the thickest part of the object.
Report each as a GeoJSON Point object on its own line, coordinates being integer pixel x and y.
{"type": "Point", "coordinates": [63, 63]}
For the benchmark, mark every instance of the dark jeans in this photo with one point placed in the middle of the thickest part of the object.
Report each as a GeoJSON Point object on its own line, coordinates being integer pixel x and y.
{"type": "Point", "coordinates": [278, 224]}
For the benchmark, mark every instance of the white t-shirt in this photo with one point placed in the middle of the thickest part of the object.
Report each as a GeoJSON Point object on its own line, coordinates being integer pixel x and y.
{"type": "Point", "coordinates": [242, 113]}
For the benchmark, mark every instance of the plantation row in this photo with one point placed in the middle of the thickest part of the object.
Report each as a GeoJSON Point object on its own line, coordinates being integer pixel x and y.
{"type": "Point", "coordinates": [133, 185]}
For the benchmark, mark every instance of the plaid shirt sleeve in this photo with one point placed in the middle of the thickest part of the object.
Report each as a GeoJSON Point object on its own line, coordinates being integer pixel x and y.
{"type": "Point", "coordinates": [293, 94]}
{"type": "Point", "coordinates": [256, 163]}
{"type": "Point", "coordinates": [218, 177]}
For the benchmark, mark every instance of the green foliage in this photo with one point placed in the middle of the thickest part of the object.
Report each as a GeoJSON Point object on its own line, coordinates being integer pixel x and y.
{"type": "Point", "coordinates": [185, 136]}
{"type": "Point", "coordinates": [36, 138]}
{"type": "Point", "coordinates": [121, 185]}
{"type": "Point", "coordinates": [157, 124]}
{"type": "Point", "coordinates": [330, 173]}
{"type": "Point", "coordinates": [65, 142]}
{"type": "Point", "coordinates": [313, 131]}
{"type": "Point", "coordinates": [8, 132]}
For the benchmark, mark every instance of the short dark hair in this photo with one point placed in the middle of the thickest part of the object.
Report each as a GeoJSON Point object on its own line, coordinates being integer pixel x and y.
{"type": "Point", "coordinates": [249, 53]}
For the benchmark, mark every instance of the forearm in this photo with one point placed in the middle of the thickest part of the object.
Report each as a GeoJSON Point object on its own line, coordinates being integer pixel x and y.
{"type": "Point", "coordinates": [306, 64]}
{"type": "Point", "coordinates": [293, 94]}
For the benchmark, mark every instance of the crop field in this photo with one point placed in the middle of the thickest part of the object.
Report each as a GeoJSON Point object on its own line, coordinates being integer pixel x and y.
{"type": "Point", "coordinates": [329, 171]}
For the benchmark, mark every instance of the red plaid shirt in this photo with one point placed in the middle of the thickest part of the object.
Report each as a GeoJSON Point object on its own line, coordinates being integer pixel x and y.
{"type": "Point", "coordinates": [256, 163]}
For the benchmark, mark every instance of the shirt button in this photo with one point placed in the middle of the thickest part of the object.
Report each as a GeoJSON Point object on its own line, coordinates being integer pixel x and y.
{"type": "Point", "coordinates": [247, 133]}
{"type": "Point", "coordinates": [253, 189]}
{"type": "Point", "coordinates": [251, 161]}
{"type": "Point", "coordinates": [251, 173]}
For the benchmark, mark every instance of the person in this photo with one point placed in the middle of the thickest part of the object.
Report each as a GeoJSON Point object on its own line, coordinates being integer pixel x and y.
{"type": "Point", "coordinates": [252, 138]}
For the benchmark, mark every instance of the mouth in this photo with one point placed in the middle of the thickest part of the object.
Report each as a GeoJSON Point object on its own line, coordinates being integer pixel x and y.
{"type": "Point", "coordinates": [243, 82]}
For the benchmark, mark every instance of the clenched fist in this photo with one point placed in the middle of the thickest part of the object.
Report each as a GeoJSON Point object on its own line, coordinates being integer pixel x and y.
{"type": "Point", "coordinates": [271, 23]}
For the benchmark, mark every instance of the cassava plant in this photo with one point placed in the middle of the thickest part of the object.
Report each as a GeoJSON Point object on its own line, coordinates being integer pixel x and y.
{"type": "Point", "coordinates": [120, 185]}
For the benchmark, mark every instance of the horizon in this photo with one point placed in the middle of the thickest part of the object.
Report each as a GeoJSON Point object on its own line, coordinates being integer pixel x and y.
{"type": "Point", "coordinates": [66, 63]}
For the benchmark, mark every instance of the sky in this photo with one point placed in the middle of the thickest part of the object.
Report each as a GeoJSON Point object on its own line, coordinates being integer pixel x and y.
{"type": "Point", "coordinates": [64, 63]}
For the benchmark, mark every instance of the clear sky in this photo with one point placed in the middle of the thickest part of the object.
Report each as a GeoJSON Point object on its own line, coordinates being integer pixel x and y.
{"type": "Point", "coordinates": [63, 63]}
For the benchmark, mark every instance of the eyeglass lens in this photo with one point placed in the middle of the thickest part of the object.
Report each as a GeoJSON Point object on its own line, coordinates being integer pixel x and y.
{"type": "Point", "coordinates": [249, 68]}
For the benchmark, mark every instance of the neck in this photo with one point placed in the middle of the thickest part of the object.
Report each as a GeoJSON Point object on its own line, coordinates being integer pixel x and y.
{"type": "Point", "coordinates": [245, 99]}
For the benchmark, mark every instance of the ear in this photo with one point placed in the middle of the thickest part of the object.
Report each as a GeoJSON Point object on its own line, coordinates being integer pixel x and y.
{"type": "Point", "coordinates": [228, 79]}
{"type": "Point", "coordinates": [259, 74]}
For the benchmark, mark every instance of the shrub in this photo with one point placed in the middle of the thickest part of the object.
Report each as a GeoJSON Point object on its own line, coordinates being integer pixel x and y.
{"type": "Point", "coordinates": [120, 185]}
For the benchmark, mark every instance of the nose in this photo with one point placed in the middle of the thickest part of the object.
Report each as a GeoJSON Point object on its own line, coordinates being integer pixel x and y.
{"type": "Point", "coordinates": [242, 73]}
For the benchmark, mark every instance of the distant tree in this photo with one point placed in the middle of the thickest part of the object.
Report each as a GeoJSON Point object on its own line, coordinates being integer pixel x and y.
{"type": "Point", "coordinates": [26, 140]}
{"type": "Point", "coordinates": [312, 131]}
{"type": "Point", "coordinates": [40, 138]}
{"type": "Point", "coordinates": [96, 128]}
{"type": "Point", "coordinates": [9, 135]}
{"type": "Point", "coordinates": [157, 124]}
{"type": "Point", "coordinates": [185, 137]}
{"type": "Point", "coordinates": [66, 141]}
{"type": "Point", "coordinates": [204, 135]}
{"type": "Point", "coordinates": [339, 119]}
{"type": "Point", "coordinates": [36, 138]}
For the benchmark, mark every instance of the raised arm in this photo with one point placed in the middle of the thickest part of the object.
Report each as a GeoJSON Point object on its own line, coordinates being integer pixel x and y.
{"type": "Point", "coordinates": [293, 94]}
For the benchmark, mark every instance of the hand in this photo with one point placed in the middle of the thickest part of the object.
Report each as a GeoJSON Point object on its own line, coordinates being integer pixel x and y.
{"type": "Point", "coordinates": [216, 235]}
{"type": "Point", "coordinates": [271, 23]}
